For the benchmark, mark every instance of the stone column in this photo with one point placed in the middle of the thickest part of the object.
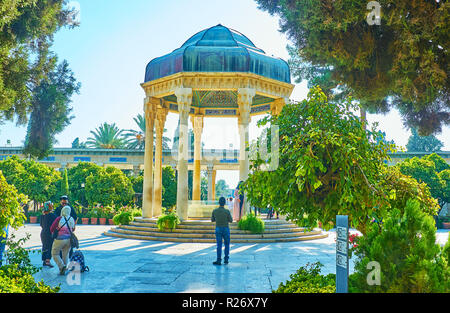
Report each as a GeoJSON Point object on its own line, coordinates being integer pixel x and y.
{"type": "Point", "coordinates": [210, 182]}
{"type": "Point", "coordinates": [197, 123]}
{"type": "Point", "coordinates": [184, 100]}
{"type": "Point", "coordinates": [245, 99]}
{"type": "Point", "coordinates": [213, 196]}
{"type": "Point", "coordinates": [147, 197]}
{"type": "Point", "coordinates": [161, 114]}
{"type": "Point", "coordinates": [136, 170]}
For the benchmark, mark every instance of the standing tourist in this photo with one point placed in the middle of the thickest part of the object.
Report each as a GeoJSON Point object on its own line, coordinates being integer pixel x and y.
{"type": "Point", "coordinates": [65, 202]}
{"type": "Point", "coordinates": [222, 217]}
{"type": "Point", "coordinates": [230, 204]}
{"type": "Point", "coordinates": [237, 204]}
{"type": "Point", "coordinates": [62, 242]}
{"type": "Point", "coordinates": [47, 220]}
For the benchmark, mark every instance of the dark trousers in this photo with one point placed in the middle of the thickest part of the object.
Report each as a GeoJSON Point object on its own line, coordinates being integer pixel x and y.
{"type": "Point", "coordinates": [47, 242]}
{"type": "Point", "coordinates": [223, 233]}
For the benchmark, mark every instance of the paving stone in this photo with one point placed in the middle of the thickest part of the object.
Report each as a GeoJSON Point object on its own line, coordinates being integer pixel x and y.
{"type": "Point", "coordinates": [135, 266]}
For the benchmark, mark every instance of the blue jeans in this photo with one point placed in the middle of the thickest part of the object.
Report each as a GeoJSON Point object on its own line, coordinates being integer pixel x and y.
{"type": "Point", "coordinates": [223, 233]}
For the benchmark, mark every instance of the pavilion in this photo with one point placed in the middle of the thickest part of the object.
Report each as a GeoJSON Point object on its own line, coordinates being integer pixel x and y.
{"type": "Point", "coordinates": [218, 72]}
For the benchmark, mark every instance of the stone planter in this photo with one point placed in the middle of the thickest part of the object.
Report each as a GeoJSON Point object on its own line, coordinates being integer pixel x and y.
{"type": "Point", "coordinates": [102, 220]}
{"type": "Point", "coordinates": [446, 225]}
{"type": "Point", "coordinates": [85, 220]}
{"type": "Point", "coordinates": [33, 219]}
{"type": "Point", "coordinates": [110, 221]}
{"type": "Point", "coordinates": [94, 220]}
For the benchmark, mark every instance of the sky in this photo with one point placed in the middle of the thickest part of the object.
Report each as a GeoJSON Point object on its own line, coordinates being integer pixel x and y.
{"type": "Point", "coordinates": [110, 49]}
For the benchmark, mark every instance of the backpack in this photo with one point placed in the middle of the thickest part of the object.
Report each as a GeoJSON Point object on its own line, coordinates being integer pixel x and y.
{"type": "Point", "coordinates": [78, 257]}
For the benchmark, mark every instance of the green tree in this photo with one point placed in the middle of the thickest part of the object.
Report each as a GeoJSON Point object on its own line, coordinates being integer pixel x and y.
{"type": "Point", "coordinates": [328, 165]}
{"type": "Point", "coordinates": [417, 143]}
{"type": "Point", "coordinates": [444, 176]}
{"type": "Point", "coordinates": [169, 197]}
{"type": "Point", "coordinates": [65, 184]}
{"type": "Point", "coordinates": [222, 189]}
{"type": "Point", "coordinates": [109, 186]}
{"type": "Point", "coordinates": [10, 202]}
{"type": "Point", "coordinates": [106, 136]}
{"type": "Point", "coordinates": [77, 176]}
{"type": "Point", "coordinates": [438, 161]}
{"type": "Point", "coordinates": [402, 62]}
{"type": "Point", "coordinates": [424, 171]}
{"type": "Point", "coordinates": [203, 187]}
{"type": "Point", "coordinates": [38, 181]}
{"type": "Point", "coordinates": [409, 258]}
{"type": "Point", "coordinates": [50, 110]}
{"type": "Point", "coordinates": [136, 138]}
{"type": "Point", "coordinates": [26, 34]}
{"type": "Point", "coordinates": [76, 144]}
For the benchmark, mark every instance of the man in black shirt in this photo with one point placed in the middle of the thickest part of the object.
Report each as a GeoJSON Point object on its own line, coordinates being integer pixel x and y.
{"type": "Point", "coordinates": [65, 202]}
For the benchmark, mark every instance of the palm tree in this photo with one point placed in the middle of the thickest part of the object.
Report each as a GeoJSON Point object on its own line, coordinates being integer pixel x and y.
{"type": "Point", "coordinates": [107, 136]}
{"type": "Point", "coordinates": [135, 139]}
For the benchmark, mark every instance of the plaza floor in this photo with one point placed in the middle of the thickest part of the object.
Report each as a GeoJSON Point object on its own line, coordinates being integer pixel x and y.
{"type": "Point", "coordinates": [133, 266]}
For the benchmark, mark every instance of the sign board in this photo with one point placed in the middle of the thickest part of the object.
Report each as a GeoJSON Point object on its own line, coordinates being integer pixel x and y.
{"type": "Point", "coordinates": [341, 253]}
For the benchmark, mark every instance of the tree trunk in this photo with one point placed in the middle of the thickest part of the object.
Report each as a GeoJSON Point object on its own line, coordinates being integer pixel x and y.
{"type": "Point", "coordinates": [363, 116]}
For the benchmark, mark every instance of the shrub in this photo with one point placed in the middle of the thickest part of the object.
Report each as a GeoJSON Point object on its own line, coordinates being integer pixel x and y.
{"type": "Point", "coordinates": [123, 218]}
{"type": "Point", "coordinates": [168, 221]}
{"type": "Point", "coordinates": [251, 223]}
{"type": "Point", "coordinates": [405, 247]}
{"type": "Point", "coordinates": [17, 275]}
{"type": "Point", "coordinates": [308, 279]}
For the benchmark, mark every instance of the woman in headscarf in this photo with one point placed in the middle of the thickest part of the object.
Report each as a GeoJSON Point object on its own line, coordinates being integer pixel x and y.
{"type": "Point", "coordinates": [62, 241]}
{"type": "Point", "coordinates": [47, 219]}
{"type": "Point", "coordinates": [238, 199]}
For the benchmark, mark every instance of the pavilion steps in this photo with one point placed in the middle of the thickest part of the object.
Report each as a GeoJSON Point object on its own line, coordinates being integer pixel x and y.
{"type": "Point", "coordinates": [202, 231]}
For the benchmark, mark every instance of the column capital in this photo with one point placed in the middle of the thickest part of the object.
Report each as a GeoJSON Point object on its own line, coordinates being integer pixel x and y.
{"type": "Point", "coordinates": [277, 105]}
{"type": "Point", "coordinates": [150, 104]}
{"type": "Point", "coordinates": [184, 101]}
{"type": "Point", "coordinates": [245, 100]}
{"type": "Point", "coordinates": [160, 119]}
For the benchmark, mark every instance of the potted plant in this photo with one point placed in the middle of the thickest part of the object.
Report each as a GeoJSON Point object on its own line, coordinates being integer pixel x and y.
{"type": "Point", "coordinates": [109, 213]}
{"type": "Point", "coordinates": [33, 216]}
{"type": "Point", "coordinates": [102, 215]}
{"type": "Point", "coordinates": [446, 222]}
{"type": "Point", "coordinates": [168, 222]}
{"type": "Point", "coordinates": [85, 220]}
{"type": "Point", "coordinates": [93, 215]}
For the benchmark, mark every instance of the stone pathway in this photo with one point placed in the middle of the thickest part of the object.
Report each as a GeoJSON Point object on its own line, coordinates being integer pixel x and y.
{"type": "Point", "coordinates": [133, 266]}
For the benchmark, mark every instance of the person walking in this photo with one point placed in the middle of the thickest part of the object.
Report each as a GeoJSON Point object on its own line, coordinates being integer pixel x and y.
{"type": "Point", "coordinates": [64, 224]}
{"type": "Point", "coordinates": [65, 202]}
{"type": "Point", "coordinates": [238, 201]}
{"type": "Point", "coordinates": [222, 217]}
{"type": "Point", "coordinates": [47, 219]}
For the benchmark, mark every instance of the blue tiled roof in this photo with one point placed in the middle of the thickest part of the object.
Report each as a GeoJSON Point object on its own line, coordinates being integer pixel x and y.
{"type": "Point", "coordinates": [218, 49]}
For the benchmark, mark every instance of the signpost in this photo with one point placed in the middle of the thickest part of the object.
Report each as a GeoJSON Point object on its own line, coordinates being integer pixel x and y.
{"type": "Point", "coordinates": [341, 253]}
